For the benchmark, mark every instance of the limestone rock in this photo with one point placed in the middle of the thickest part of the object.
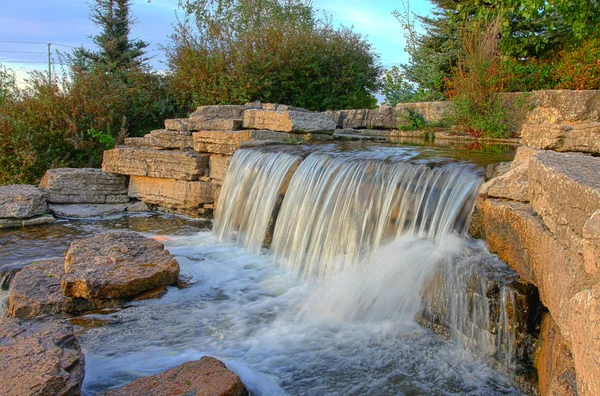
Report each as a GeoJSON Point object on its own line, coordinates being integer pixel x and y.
{"type": "Point", "coordinates": [235, 112]}
{"type": "Point", "coordinates": [591, 244]}
{"type": "Point", "coordinates": [583, 137]}
{"type": "Point", "coordinates": [273, 107]}
{"type": "Point", "coordinates": [207, 376]}
{"type": "Point", "coordinates": [86, 185]}
{"type": "Point", "coordinates": [36, 291]}
{"type": "Point", "coordinates": [39, 358]}
{"type": "Point", "coordinates": [83, 211]}
{"type": "Point", "coordinates": [138, 207]}
{"type": "Point", "coordinates": [565, 106]}
{"type": "Point", "coordinates": [20, 201]}
{"type": "Point", "coordinates": [511, 185]}
{"type": "Point", "coordinates": [432, 112]}
{"type": "Point", "coordinates": [585, 340]}
{"type": "Point", "coordinates": [288, 121]}
{"type": "Point", "coordinates": [497, 169]}
{"type": "Point", "coordinates": [228, 142]}
{"type": "Point", "coordinates": [162, 139]}
{"type": "Point", "coordinates": [202, 124]}
{"type": "Point", "coordinates": [175, 194]}
{"type": "Point", "coordinates": [116, 265]}
{"type": "Point", "coordinates": [384, 117]}
{"type": "Point", "coordinates": [218, 166]}
{"type": "Point", "coordinates": [565, 191]}
{"type": "Point", "coordinates": [554, 363]}
{"type": "Point", "coordinates": [30, 222]}
{"type": "Point", "coordinates": [180, 165]}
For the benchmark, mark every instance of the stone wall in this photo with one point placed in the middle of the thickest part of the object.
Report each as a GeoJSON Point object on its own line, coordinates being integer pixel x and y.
{"type": "Point", "coordinates": [542, 217]}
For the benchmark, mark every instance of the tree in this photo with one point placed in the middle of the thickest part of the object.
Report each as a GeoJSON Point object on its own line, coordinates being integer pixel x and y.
{"type": "Point", "coordinates": [235, 51]}
{"type": "Point", "coordinates": [116, 50]}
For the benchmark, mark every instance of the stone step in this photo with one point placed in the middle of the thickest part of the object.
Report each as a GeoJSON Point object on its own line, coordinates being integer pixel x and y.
{"type": "Point", "coordinates": [289, 121]}
{"type": "Point", "coordinates": [227, 142]}
{"type": "Point", "coordinates": [86, 185]}
{"type": "Point", "coordinates": [180, 165]}
{"type": "Point", "coordinates": [162, 139]}
{"type": "Point", "coordinates": [201, 124]}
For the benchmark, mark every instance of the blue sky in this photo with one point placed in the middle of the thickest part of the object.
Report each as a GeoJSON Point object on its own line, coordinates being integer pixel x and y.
{"type": "Point", "coordinates": [65, 23]}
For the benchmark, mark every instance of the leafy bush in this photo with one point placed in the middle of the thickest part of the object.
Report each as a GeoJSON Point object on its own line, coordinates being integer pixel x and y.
{"type": "Point", "coordinates": [395, 89]}
{"type": "Point", "coordinates": [270, 51]}
{"type": "Point", "coordinates": [579, 67]}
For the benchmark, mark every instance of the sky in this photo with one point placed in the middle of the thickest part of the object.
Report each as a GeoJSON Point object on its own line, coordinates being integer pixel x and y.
{"type": "Point", "coordinates": [66, 24]}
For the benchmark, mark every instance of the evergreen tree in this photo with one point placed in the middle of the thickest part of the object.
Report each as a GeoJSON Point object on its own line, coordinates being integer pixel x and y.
{"type": "Point", "coordinates": [116, 50]}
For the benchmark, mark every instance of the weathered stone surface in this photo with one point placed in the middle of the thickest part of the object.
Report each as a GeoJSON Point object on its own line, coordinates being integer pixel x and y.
{"type": "Point", "coordinates": [36, 291]}
{"type": "Point", "coordinates": [207, 376]}
{"type": "Point", "coordinates": [83, 211]}
{"type": "Point", "coordinates": [274, 107]}
{"type": "Point", "coordinates": [202, 124]}
{"type": "Point", "coordinates": [565, 106]}
{"type": "Point", "coordinates": [180, 165]}
{"type": "Point", "coordinates": [432, 112]}
{"type": "Point", "coordinates": [227, 142]}
{"type": "Point", "coordinates": [171, 193]}
{"type": "Point", "coordinates": [591, 244]}
{"type": "Point", "coordinates": [497, 169]}
{"type": "Point", "coordinates": [85, 185]}
{"type": "Point", "coordinates": [138, 207]}
{"type": "Point", "coordinates": [30, 222]}
{"type": "Point", "coordinates": [583, 137]}
{"type": "Point", "coordinates": [520, 238]}
{"type": "Point", "coordinates": [19, 201]}
{"type": "Point", "coordinates": [162, 139]}
{"type": "Point", "coordinates": [116, 265]}
{"type": "Point", "coordinates": [288, 121]}
{"type": "Point", "coordinates": [554, 362]}
{"type": "Point", "coordinates": [235, 112]}
{"type": "Point", "coordinates": [585, 340]}
{"type": "Point", "coordinates": [565, 191]}
{"type": "Point", "coordinates": [384, 117]}
{"type": "Point", "coordinates": [39, 358]}
{"type": "Point", "coordinates": [218, 166]}
{"type": "Point", "coordinates": [512, 184]}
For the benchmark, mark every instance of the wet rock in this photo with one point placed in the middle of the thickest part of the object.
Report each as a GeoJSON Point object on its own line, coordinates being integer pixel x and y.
{"type": "Point", "coordinates": [207, 376]}
{"type": "Point", "coordinates": [116, 265]}
{"type": "Point", "coordinates": [218, 166]}
{"type": "Point", "coordinates": [384, 117]}
{"type": "Point", "coordinates": [42, 359]}
{"type": "Point", "coordinates": [585, 339]}
{"type": "Point", "coordinates": [554, 361]}
{"type": "Point", "coordinates": [36, 290]}
{"type": "Point", "coordinates": [138, 207]}
{"type": "Point", "coordinates": [176, 194]}
{"type": "Point", "coordinates": [83, 211]}
{"type": "Point", "coordinates": [288, 121]}
{"type": "Point", "coordinates": [30, 222]}
{"type": "Point", "coordinates": [565, 192]}
{"type": "Point", "coordinates": [227, 142]}
{"type": "Point", "coordinates": [201, 124]}
{"type": "Point", "coordinates": [86, 185]}
{"type": "Point", "coordinates": [162, 139]}
{"type": "Point", "coordinates": [20, 201]}
{"type": "Point", "coordinates": [180, 165]}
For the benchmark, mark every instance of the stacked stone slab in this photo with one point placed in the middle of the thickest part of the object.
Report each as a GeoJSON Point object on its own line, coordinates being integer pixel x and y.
{"type": "Point", "coordinates": [23, 205]}
{"type": "Point", "coordinates": [542, 216]}
{"type": "Point", "coordinates": [181, 168]}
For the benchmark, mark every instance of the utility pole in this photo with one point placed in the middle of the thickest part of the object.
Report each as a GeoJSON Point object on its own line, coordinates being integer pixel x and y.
{"type": "Point", "coordinates": [49, 64]}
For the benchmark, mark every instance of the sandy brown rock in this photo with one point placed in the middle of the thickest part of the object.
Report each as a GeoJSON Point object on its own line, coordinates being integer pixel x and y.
{"type": "Point", "coordinates": [171, 193]}
{"type": "Point", "coordinates": [201, 124]}
{"type": "Point", "coordinates": [85, 185]}
{"type": "Point", "coordinates": [591, 244]}
{"type": "Point", "coordinates": [180, 165]}
{"type": "Point", "coordinates": [288, 121]}
{"type": "Point", "coordinates": [219, 165]}
{"type": "Point", "coordinates": [497, 169]}
{"type": "Point", "coordinates": [228, 142]}
{"type": "Point", "coordinates": [205, 377]}
{"type": "Point", "coordinates": [565, 106]}
{"type": "Point", "coordinates": [20, 201]}
{"type": "Point", "coordinates": [585, 340]}
{"type": "Point", "coordinates": [583, 137]}
{"type": "Point", "coordinates": [39, 358]}
{"type": "Point", "coordinates": [554, 362]}
{"type": "Point", "coordinates": [162, 139]}
{"type": "Point", "coordinates": [116, 265]}
{"type": "Point", "coordinates": [30, 222]}
{"type": "Point", "coordinates": [512, 183]}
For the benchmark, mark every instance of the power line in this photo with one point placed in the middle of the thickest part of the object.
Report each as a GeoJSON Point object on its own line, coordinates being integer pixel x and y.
{"type": "Point", "coordinates": [13, 61]}
{"type": "Point", "coordinates": [34, 42]}
{"type": "Point", "coordinates": [20, 52]}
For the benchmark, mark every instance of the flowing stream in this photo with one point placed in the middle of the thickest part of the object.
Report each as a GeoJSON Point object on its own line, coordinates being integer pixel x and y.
{"type": "Point", "coordinates": [312, 278]}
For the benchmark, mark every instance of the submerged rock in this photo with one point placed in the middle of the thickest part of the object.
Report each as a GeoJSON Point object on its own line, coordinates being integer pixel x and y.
{"type": "Point", "coordinates": [207, 376]}
{"type": "Point", "coordinates": [117, 265]}
{"type": "Point", "coordinates": [21, 201]}
{"type": "Point", "coordinates": [83, 211]}
{"type": "Point", "coordinates": [42, 359]}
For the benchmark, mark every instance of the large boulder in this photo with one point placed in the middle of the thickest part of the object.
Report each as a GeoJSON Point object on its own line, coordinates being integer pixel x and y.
{"type": "Point", "coordinates": [180, 165]}
{"type": "Point", "coordinates": [235, 112]}
{"type": "Point", "coordinates": [185, 196]}
{"type": "Point", "coordinates": [512, 183]}
{"type": "Point", "coordinates": [384, 117]}
{"type": "Point", "coordinates": [202, 124]}
{"type": "Point", "coordinates": [288, 121]}
{"type": "Point", "coordinates": [20, 201]}
{"type": "Point", "coordinates": [36, 291]}
{"type": "Point", "coordinates": [83, 211]}
{"type": "Point", "coordinates": [116, 265]}
{"type": "Point", "coordinates": [85, 185]}
{"type": "Point", "coordinates": [39, 358]}
{"type": "Point", "coordinates": [584, 137]}
{"type": "Point", "coordinates": [207, 376]}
